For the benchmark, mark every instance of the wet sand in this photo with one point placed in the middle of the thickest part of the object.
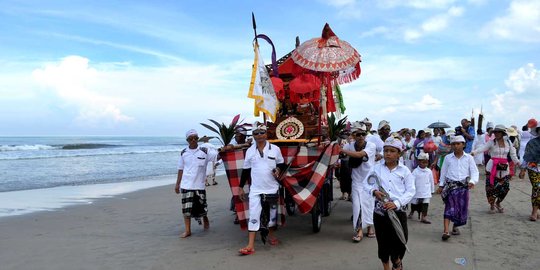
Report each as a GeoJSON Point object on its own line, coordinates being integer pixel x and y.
{"type": "Point", "coordinates": [140, 230]}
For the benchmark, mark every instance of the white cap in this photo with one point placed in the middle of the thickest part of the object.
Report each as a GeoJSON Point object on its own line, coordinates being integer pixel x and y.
{"type": "Point", "coordinates": [489, 125]}
{"type": "Point", "coordinates": [458, 138]}
{"type": "Point", "coordinates": [427, 130]}
{"type": "Point", "coordinates": [382, 124]}
{"type": "Point", "coordinates": [396, 143]}
{"type": "Point", "coordinates": [423, 156]}
{"type": "Point", "coordinates": [191, 132]}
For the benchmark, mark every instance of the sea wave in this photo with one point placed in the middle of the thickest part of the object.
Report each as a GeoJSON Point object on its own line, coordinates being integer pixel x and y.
{"type": "Point", "coordinates": [77, 146]}
{"type": "Point", "coordinates": [27, 147]}
{"type": "Point", "coordinates": [62, 154]}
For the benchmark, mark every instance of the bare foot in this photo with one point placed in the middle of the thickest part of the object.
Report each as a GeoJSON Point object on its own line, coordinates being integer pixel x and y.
{"type": "Point", "coordinates": [185, 235]}
{"type": "Point", "coordinates": [206, 223]}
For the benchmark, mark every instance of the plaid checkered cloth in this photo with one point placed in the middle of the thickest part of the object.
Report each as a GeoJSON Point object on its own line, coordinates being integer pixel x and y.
{"type": "Point", "coordinates": [306, 175]}
{"type": "Point", "coordinates": [303, 179]}
{"type": "Point", "coordinates": [234, 162]}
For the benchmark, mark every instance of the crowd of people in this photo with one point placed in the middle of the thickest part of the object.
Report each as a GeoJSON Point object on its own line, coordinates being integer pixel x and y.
{"type": "Point", "coordinates": [384, 174]}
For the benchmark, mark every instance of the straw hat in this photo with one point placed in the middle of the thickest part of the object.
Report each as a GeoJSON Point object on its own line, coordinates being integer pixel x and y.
{"type": "Point", "coordinates": [512, 132]}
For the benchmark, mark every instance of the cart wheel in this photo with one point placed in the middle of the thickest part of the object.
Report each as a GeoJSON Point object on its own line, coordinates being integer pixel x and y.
{"type": "Point", "coordinates": [328, 208]}
{"type": "Point", "coordinates": [316, 218]}
{"type": "Point", "coordinates": [290, 207]}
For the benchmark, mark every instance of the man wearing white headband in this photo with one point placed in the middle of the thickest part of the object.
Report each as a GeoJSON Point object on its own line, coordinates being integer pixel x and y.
{"type": "Point", "coordinates": [458, 174]}
{"type": "Point", "coordinates": [190, 181]}
{"type": "Point", "coordinates": [263, 163]}
{"type": "Point", "coordinates": [393, 186]}
{"type": "Point", "coordinates": [361, 158]}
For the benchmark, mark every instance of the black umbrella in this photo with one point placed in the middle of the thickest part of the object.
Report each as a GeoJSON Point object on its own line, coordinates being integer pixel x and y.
{"type": "Point", "coordinates": [439, 125]}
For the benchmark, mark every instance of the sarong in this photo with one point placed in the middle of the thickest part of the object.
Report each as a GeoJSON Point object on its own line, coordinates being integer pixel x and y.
{"type": "Point", "coordinates": [456, 207]}
{"type": "Point", "coordinates": [497, 192]}
{"type": "Point", "coordinates": [194, 204]}
{"type": "Point", "coordinates": [534, 177]}
{"type": "Point", "coordinates": [389, 245]}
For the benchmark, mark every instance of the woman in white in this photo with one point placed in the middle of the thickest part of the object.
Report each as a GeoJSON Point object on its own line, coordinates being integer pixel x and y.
{"type": "Point", "coordinates": [362, 155]}
{"type": "Point", "coordinates": [408, 143]}
{"type": "Point", "coordinates": [497, 168]}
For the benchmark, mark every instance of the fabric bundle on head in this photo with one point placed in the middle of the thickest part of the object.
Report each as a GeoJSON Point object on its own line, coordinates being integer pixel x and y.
{"type": "Point", "coordinates": [191, 132]}
{"type": "Point", "coordinates": [366, 121]}
{"type": "Point", "coordinates": [358, 126]}
{"type": "Point", "coordinates": [393, 142]}
{"type": "Point", "coordinates": [423, 156]}
{"type": "Point", "coordinates": [489, 125]}
{"type": "Point", "coordinates": [427, 130]}
{"type": "Point", "coordinates": [382, 124]}
{"type": "Point", "coordinates": [457, 139]}
{"type": "Point", "coordinates": [500, 128]}
{"type": "Point", "coordinates": [450, 133]}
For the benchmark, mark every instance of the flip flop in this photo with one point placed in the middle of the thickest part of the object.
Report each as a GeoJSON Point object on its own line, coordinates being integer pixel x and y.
{"type": "Point", "coordinates": [425, 221]}
{"type": "Point", "coordinates": [371, 235]}
{"type": "Point", "coordinates": [456, 232]}
{"type": "Point", "coordinates": [445, 236]}
{"type": "Point", "coordinates": [273, 241]}
{"type": "Point", "coordinates": [532, 218]}
{"type": "Point", "coordinates": [185, 235]}
{"type": "Point", "coordinates": [246, 251]}
{"type": "Point", "coordinates": [214, 184]}
{"type": "Point", "coordinates": [357, 239]}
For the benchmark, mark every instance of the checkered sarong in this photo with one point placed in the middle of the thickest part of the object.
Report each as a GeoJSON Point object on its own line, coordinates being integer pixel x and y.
{"type": "Point", "coordinates": [303, 179]}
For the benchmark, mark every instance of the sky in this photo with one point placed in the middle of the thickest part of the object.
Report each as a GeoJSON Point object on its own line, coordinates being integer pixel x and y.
{"type": "Point", "coordinates": [145, 68]}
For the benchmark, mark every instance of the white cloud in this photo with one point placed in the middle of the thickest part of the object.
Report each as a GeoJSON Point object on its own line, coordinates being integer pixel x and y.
{"type": "Point", "coordinates": [427, 103]}
{"type": "Point", "coordinates": [418, 4]}
{"type": "Point", "coordinates": [374, 31]}
{"type": "Point", "coordinates": [434, 24]}
{"type": "Point", "coordinates": [518, 102]}
{"type": "Point", "coordinates": [520, 23]}
{"type": "Point", "coordinates": [72, 80]}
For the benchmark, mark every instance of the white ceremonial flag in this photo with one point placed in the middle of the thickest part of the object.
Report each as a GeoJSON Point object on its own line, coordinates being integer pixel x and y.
{"type": "Point", "coordinates": [261, 88]}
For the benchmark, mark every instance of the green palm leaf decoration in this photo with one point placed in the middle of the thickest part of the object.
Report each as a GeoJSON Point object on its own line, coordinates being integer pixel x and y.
{"type": "Point", "coordinates": [334, 128]}
{"type": "Point", "coordinates": [225, 132]}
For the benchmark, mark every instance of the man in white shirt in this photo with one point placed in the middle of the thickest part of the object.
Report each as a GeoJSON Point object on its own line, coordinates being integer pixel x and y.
{"type": "Point", "coordinates": [458, 174]}
{"type": "Point", "coordinates": [263, 163]}
{"type": "Point", "coordinates": [190, 181]}
{"type": "Point", "coordinates": [361, 158]}
{"type": "Point", "coordinates": [393, 185]}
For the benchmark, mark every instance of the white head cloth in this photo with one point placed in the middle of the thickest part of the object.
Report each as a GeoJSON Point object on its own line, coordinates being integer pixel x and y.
{"type": "Point", "coordinates": [396, 143]}
{"type": "Point", "coordinates": [423, 156]}
{"type": "Point", "coordinates": [458, 138]}
{"type": "Point", "coordinates": [191, 132]}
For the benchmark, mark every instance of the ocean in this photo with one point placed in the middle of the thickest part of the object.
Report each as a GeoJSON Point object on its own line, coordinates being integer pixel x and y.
{"type": "Point", "coordinates": [60, 167]}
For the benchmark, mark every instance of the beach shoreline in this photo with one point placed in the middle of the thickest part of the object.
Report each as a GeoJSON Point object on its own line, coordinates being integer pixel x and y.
{"type": "Point", "coordinates": [140, 230]}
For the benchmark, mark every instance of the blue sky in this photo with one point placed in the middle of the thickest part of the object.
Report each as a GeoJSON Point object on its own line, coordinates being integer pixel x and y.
{"type": "Point", "coordinates": [162, 67]}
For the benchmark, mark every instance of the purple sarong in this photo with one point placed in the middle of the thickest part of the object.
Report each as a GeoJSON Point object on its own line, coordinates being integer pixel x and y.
{"type": "Point", "coordinates": [456, 207]}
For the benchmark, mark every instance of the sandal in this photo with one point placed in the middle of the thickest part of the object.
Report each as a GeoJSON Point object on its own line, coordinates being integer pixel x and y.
{"type": "Point", "coordinates": [246, 251]}
{"type": "Point", "coordinates": [357, 238]}
{"type": "Point", "coordinates": [455, 231]}
{"type": "Point", "coordinates": [499, 208]}
{"type": "Point", "coordinates": [371, 235]}
{"type": "Point", "coordinates": [445, 236]}
{"type": "Point", "coordinates": [273, 241]}
{"type": "Point", "coordinates": [425, 221]}
{"type": "Point", "coordinates": [397, 266]}
{"type": "Point", "coordinates": [214, 184]}
{"type": "Point", "coordinates": [206, 184]}
{"type": "Point", "coordinates": [532, 218]}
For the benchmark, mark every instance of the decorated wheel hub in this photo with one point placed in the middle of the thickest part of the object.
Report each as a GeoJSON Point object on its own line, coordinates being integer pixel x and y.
{"type": "Point", "coordinates": [290, 129]}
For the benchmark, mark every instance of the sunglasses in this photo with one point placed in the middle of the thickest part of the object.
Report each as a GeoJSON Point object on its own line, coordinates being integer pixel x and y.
{"type": "Point", "coordinates": [259, 132]}
{"type": "Point", "coordinates": [192, 138]}
{"type": "Point", "coordinates": [360, 134]}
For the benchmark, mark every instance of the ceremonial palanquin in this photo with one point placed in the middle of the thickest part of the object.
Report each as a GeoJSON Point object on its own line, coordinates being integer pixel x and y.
{"type": "Point", "coordinates": [295, 94]}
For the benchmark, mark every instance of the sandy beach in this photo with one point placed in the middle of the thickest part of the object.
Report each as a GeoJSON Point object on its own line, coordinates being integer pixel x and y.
{"type": "Point", "coordinates": [140, 230]}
